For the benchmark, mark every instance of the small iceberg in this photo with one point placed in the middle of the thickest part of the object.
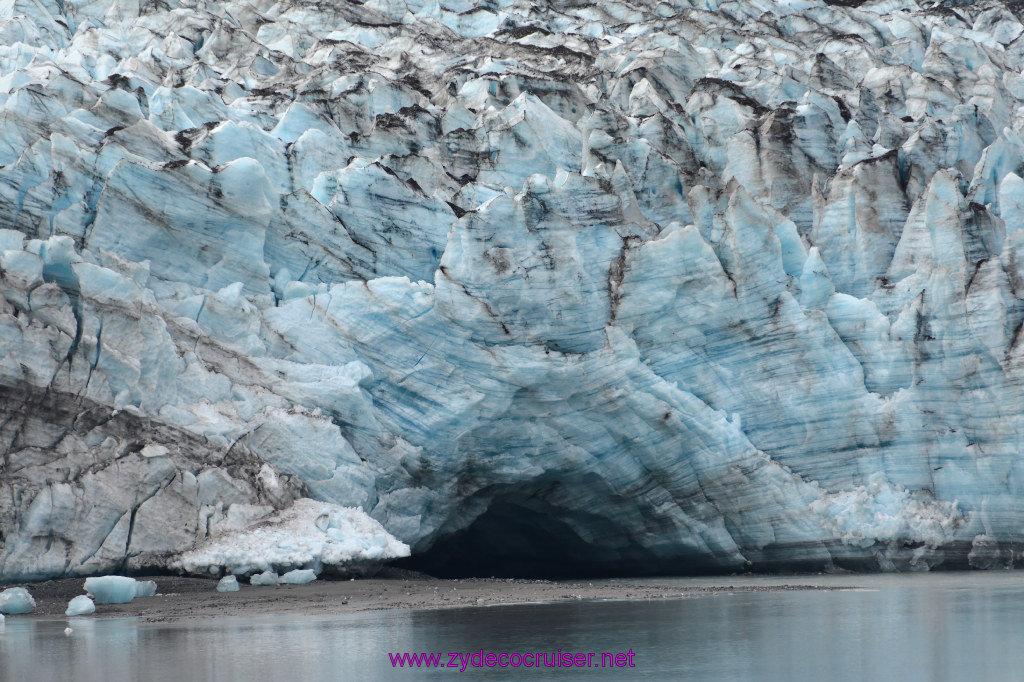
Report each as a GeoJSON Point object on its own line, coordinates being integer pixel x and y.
{"type": "Point", "coordinates": [81, 605]}
{"type": "Point", "coordinates": [117, 589]}
{"type": "Point", "coordinates": [265, 578]}
{"type": "Point", "coordinates": [145, 588]}
{"type": "Point", "coordinates": [15, 601]}
{"type": "Point", "coordinates": [228, 583]}
{"type": "Point", "coordinates": [299, 577]}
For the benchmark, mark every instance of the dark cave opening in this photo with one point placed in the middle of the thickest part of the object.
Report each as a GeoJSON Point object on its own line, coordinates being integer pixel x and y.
{"type": "Point", "coordinates": [514, 541]}
{"type": "Point", "coordinates": [509, 541]}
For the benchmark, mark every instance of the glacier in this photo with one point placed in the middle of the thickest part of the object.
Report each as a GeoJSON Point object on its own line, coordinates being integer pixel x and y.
{"type": "Point", "coordinates": [516, 288]}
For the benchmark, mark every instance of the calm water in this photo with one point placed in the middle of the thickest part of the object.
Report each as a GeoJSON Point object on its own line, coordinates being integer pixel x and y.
{"type": "Point", "coordinates": [920, 627]}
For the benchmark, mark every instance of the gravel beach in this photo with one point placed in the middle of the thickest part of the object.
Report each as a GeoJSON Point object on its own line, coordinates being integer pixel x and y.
{"type": "Point", "coordinates": [186, 598]}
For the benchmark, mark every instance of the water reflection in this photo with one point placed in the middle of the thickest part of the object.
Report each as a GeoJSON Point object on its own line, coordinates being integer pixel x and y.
{"type": "Point", "coordinates": [924, 628]}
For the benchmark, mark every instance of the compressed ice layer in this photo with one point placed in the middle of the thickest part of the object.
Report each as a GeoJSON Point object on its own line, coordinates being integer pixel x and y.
{"type": "Point", "coordinates": [228, 583]}
{"type": "Point", "coordinates": [265, 579]}
{"type": "Point", "coordinates": [299, 576]}
{"type": "Point", "coordinates": [81, 605]}
{"type": "Point", "coordinates": [116, 589]}
{"type": "Point", "coordinates": [307, 534]}
{"type": "Point", "coordinates": [15, 601]}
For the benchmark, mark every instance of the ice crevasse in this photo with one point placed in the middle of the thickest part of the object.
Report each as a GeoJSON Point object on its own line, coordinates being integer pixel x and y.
{"type": "Point", "coordinates": [516, 287]}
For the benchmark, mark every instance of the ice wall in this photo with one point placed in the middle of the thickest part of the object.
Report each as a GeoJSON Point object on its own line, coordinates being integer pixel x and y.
{"type": "Point", "coordinates": [626, 286]}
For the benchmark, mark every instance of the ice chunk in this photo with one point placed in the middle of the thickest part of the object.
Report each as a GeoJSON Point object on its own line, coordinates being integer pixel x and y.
{"type": "Point", "coordinates": [299, 576]}
{"type": "Point", "coordinates": [307, 534]}
{"type": "Point", "coordinates": [228, 583]}
{"type": "Point", "coordinates": [16, 600]}
{"type": "Point", "coordinates": [22, 268]}
{"type": "Point", "coordinates": [81, 605]}
{"type": "Point", "coordinates": [116, 589]}
{"type": "Point", "coordinates": [11, 240]}
{"type": "Point", "coordinates": [880, 511]}
{"type": "Point", "coordinates": [145, 588]}
{"type": "Point", "coordinates": [264, 579]}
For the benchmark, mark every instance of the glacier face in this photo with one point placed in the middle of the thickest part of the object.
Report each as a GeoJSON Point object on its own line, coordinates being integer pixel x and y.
{"type": "Point", "coordinates": [630, 286]}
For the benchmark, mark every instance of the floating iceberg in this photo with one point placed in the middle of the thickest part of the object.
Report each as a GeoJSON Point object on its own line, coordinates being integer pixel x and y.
{"type": "Point", "coordinates": [15, 601]}
{"type": "Point", "coordinates": [81, 605]}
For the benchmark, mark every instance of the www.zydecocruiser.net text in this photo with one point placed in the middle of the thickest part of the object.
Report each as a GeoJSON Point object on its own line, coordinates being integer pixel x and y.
{"type": "Point", "coordinates": [478, 659]}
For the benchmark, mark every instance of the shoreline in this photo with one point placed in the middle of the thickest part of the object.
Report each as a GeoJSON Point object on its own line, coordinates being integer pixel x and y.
{"type": "Point", "coordinates": [185, 598]}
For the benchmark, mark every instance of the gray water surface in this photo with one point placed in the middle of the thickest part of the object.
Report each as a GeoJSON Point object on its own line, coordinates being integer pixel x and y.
{"type": "Point", "coordinates": [952, 626]}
